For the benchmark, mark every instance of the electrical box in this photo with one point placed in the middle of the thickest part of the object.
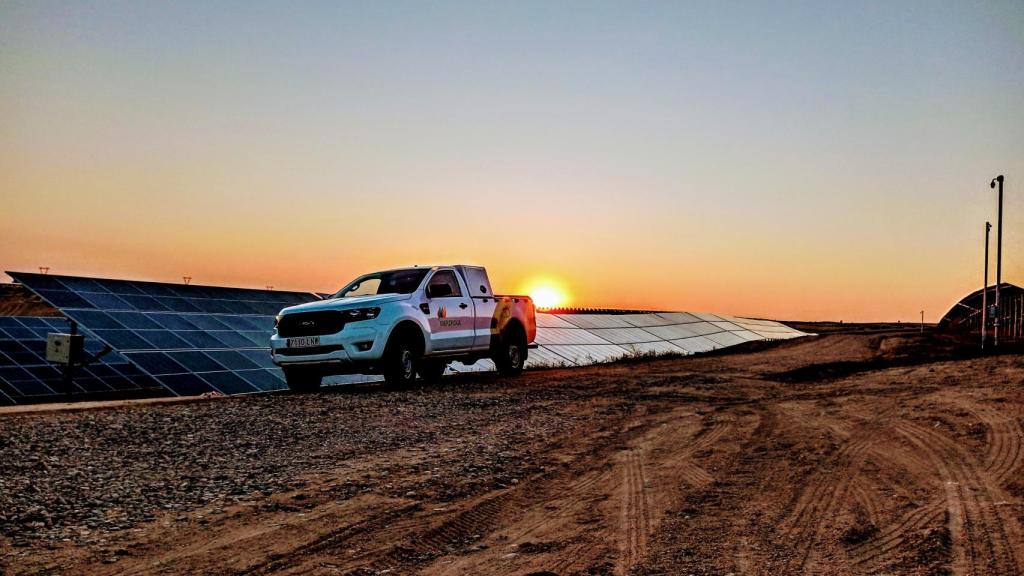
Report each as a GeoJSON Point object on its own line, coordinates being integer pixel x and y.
{"type": "Point", "coordinates": [64, 348]}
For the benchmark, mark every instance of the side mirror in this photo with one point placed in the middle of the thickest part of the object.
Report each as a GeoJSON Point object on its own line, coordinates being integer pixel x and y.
{"type": "Point", "coordinates": [438, 291]}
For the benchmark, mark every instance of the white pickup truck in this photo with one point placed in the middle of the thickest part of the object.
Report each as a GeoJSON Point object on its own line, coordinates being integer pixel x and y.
{"type": "Point", "coordinates": [404, 322]}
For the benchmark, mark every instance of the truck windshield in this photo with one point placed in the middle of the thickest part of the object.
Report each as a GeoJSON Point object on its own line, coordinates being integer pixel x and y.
{"type": "Point", "coordinates": [391, 282]}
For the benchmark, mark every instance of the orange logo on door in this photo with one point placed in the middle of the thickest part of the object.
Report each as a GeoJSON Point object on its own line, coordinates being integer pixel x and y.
{"type": "Point", "coordinates": [441, 312]}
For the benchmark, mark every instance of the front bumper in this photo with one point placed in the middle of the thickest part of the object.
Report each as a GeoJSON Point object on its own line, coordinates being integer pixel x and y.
{"type": "Point", "coordinates": [352, 345]}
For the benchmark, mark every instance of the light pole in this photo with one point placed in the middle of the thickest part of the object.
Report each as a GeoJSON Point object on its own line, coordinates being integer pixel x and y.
{"type": "Point", "coordinates": [984, 289]}
{"type": "Point", "coordinates": [999, 254]}
{"type": "Point", "coordinates": [922, 321]}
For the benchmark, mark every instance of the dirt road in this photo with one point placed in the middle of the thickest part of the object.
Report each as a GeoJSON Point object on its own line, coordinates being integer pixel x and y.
{"type": "Point", "coordinates": [842, 454]}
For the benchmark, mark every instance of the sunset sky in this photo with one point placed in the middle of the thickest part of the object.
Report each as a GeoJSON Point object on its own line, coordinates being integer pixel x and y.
{"type": "Point", "coordinates": [792, 160]}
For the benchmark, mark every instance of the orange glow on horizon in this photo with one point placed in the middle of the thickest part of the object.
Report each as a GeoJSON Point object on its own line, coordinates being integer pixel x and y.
{"type": "Point", "coordinates": [773, 187]}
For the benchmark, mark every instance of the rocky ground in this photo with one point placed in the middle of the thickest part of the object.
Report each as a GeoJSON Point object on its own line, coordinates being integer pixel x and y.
{"type": "Point", "coordinates": [841, 454]}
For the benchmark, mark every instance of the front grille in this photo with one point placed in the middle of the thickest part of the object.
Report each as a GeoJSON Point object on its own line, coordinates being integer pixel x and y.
{"type": "Point", "coordinates": [309, 351]}
{"type": "Point", "coordinates": [310, 324]}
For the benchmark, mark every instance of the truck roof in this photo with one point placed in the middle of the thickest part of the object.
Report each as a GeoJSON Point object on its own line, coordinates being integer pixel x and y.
{"type": "Point", "coordinates": [475, 276]}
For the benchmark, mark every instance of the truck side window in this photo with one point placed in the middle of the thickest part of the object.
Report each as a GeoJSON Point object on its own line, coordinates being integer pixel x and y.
{"type": "Point", "coordinates": [447, 277]}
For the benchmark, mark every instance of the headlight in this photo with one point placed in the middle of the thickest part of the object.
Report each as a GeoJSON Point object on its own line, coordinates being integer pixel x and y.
{"type": "Point", "coordinates": [359, 314]}
{"type": "Point", "coordinates": [277, 320]}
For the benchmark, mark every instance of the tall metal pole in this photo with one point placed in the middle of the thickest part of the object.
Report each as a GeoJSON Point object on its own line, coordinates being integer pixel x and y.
{"type": "Point", "coordinates": [984, 289]}
{"type": "Point", "coordinates": [999, 254]}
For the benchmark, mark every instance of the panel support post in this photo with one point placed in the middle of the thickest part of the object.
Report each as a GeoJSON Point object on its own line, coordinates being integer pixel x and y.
{"type": "Point", "coordinates": [69, 367]}
{"type": "Point", "coordinates": [984, 289]}
{"type": "Point", "coordinates": [999, 256]}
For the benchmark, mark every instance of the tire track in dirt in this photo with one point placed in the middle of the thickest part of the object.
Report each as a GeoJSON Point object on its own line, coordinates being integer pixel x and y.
{"type": "Point", "coordinates": [636, 524]}
{"type": "Point", "coordinates": [421, 537]}
{"type": "Point", "coordinates": [465, 527]}
{"type": "Point", "coordinates": [864, 498]}
{"type": "Point", "coordinates": [694, 475]}
{"type": "Point", "coordinates": [891, 536]}
{"type": "Point", "coordinates": [331, 539]}
{"type": "Point", "coordinates": [636, 515]}
{"type": "Point", "coordinates": [875, 550]}
{"type": "Point", "coordinates": [604, 519]}
{"type": "Point", "coordinates": [687, 469]}
{"type": "Point", "coordinates": [1004, 438]}
{"type": "Point", "coordinates": [828, 489]}
{"type": "Point", "coordinates": [595, 486]}
{"type": "Point", "coordinates": [563, 505]}
{"type": "Point", "coordinates": [980, 541]}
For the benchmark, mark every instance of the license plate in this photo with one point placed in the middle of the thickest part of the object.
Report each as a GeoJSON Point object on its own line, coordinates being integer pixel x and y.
{"type": "Point", "coordinates": [304, 342]}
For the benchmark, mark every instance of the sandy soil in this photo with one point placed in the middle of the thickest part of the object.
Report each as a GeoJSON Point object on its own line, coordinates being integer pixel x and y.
{"type": "Point", "coordinates": [841, 454]}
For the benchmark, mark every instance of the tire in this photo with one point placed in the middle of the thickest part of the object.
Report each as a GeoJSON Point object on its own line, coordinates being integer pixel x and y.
{"type": "Point", "coordinates": [401, 359]}
{"type": "Point", "coordinates": [431, 371]}
{"type": "Point", "coordinates": [302, 379]}
{"type": "Point", "coordinates": [510, 354]}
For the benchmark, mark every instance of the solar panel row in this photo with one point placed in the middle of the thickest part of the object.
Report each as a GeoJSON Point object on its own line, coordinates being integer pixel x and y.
{"type": "Point", "coordinates": [125, 295]}
{"type": "Point", "coordinates": [189, 339]}
{"type": "Point", "coordinates": [583, 339]}
{"type": "Point", "coordinates": [26, 376]}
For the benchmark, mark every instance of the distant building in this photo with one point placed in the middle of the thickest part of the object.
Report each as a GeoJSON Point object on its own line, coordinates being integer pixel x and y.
{"type": "Point", "coordinates": [965, 316]}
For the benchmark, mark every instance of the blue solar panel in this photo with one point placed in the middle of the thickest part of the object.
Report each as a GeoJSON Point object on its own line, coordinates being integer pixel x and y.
{"type": "Point", "coordinates": [156, 363]}
{"type": "Point", "coordinates": [186, 384]}
{"type": "Point", "coordinates": [196, 361]}
{"type": "Point", "coordinates": [26, 375]}
{"type": "Point", "coordinates": [228, 382]}
{"type": "Point", "coordinates": [232, 359]}
{"type": "Point", "coordinates": [134, 320]}
{"type": "Point", "coordinates": [190, 339]}
{"type": "Point", "coordinates": [64, 299]}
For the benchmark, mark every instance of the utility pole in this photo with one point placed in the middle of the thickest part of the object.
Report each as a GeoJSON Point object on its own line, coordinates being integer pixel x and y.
{"type": "Point", "coordinates": [999, 254]}
{"type": "Point", "coordinates": [922, 321]}
{"type": "Point", "coordinates": [984, 290]}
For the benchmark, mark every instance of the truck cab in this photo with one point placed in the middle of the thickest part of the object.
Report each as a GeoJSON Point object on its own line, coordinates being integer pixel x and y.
{"type": "Point", "coordinates": [402, 323]}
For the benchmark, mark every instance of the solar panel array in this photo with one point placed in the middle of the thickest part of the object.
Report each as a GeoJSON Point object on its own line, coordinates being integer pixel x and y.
{"type": "Point", "coordinates": [177, 339]}
{"type": "Point", "coordinates": [585, 339]}
{"type": "Point", "coordinates": [26, 376]}
{"type": "Point", "coordinates": [190, 339]}
{"type": "Point", "coordinates": [582, 339]}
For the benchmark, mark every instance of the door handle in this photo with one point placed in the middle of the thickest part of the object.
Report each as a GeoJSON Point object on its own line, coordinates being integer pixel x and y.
{"type": "Point", "coordinates": [463, 305]}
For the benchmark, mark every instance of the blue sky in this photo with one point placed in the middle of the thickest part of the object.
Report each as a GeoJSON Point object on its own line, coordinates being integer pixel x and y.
{"type": "Point", "coordinates": [786, 159]}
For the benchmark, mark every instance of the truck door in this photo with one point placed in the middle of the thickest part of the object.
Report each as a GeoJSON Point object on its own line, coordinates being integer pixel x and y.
{"type": "Point", "coordinates": [451, 312]}
{"type": "Point", "coordinates": [486, 321]}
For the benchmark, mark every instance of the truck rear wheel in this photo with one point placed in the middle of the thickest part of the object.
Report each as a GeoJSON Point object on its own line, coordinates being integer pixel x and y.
{"type": "Point", "coordinates": [302, 379]}
{"type": "Point", "coordinates": [431, 371]}
{"type": "Point", "coordinates": [401, 359]}
{"type": "Point", "coordinates": [510, 354]}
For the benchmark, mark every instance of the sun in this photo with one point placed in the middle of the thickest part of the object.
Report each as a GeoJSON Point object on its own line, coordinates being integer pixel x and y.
{"type": "Point", "coordinates": [547, 294]}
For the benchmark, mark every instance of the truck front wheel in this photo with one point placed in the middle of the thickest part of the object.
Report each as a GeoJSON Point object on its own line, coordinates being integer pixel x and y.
{"type": "Point", "coordinates": [401, 358]}
{"type": "Point", "coordinates": [510, 355]}
{"type": "Point", "coordinates": [302, 379]}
